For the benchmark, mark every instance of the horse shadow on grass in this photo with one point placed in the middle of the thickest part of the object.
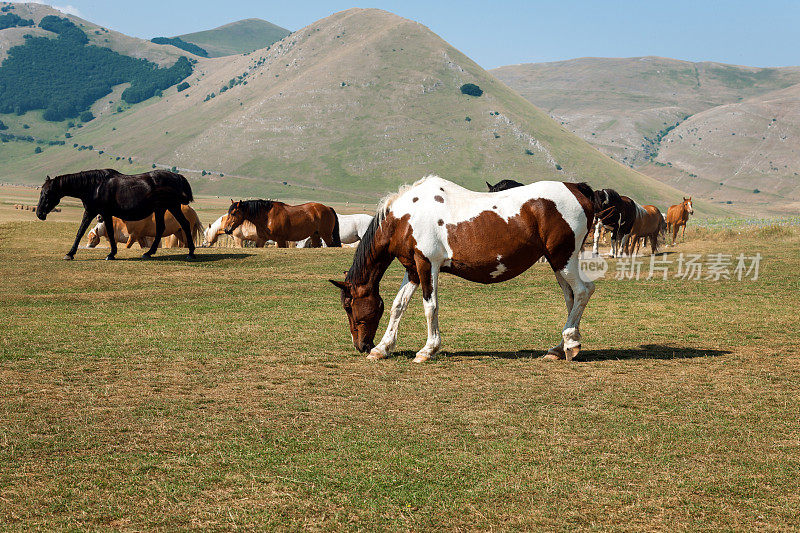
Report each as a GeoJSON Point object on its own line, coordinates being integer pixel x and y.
{"type": "Point", "coordinates": [199, 257]}
{"type": "Point", "coordinates": [645, 351]}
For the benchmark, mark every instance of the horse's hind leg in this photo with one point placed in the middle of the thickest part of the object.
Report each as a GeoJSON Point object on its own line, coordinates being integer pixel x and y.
{"type": "Point", "coordinates": [557, 352]}
{"type": "Point", "coordinates": [187, 230]}
{"type": "Point", "coordinates": [159, 232]}
{"type": "Point", "coordinates": [399, 306]}
{"type": "Point", "coordinates": [581, 291]}
{"type": "Point", "coordinates": [316, 240]}
{"type": "Point", "coordinates": [429, 280]}
{"type": "Point", "coordinates": [108, 220]}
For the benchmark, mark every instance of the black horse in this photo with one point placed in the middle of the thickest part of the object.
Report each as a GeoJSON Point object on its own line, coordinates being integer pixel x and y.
{"type": "Point", "coordinates": [111, 194]}
{"type": "Point", "coordinates": [503, 185]}
{"type": "Point", "coordinates": [616, 213]}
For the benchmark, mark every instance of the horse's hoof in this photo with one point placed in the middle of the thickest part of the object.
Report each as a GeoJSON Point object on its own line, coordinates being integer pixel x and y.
{"type": "Point", "coordinates": [110, 257]}
{"type": "Point", "coordinates": [68, 257]}
{"type": "Point", "coordinates": [551, 357]}
{"type": "Point", "coordinates": [421, 358]}
{"type": "Point", "coordinates": [146, 255]}
{"type": "Point", "coordinates": [377, 355]}
{"type": "Point", "coordinates": [191, 256]}
{"type": "Point", "coordinates": [572, 353]}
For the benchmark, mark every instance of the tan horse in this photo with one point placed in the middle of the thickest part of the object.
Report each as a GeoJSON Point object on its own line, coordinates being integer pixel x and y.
{"type": "Point", "coordinates": [282, 223]}
{"type": "Point", "coordinates": [649, 223]}
{"type": "Point", "coordinates": [144, 231]}
{"type": "Point", "coordinates": [245, 232]}
{"type": "Point", "coordinates": [677, 216]}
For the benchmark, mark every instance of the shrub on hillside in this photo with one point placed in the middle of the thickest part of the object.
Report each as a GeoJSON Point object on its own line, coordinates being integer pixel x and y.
{"type": "Point", "coordinates": [183, 86]}
{"type": "Point", "coordinates": [180, 43]}
{"type": "Point", "coordinates": [86, 116]}
{"type": "Point", "coordinates": [471, 89]}
{"type": "Point", "coordinates": [11, 20]}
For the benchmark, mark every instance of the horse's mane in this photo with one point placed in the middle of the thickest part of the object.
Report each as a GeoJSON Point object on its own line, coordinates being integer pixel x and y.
{"type": "Point", "coordinates": [253, 208]}
{"type": "Point", "coordinates": [365, 252]}
{"type": "Point", "coordinates": [85, 178]}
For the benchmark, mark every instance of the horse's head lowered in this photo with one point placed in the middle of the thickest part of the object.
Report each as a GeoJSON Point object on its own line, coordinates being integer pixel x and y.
{"type": "Point", "coordinates": [48, 199]}
{"type": "Point", "coordinates": [687, 204]}
{"type": "Point", "coordinates": [364, 307]}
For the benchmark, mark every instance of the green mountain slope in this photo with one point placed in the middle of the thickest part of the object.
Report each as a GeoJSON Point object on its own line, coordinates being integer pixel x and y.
{"type": "Point", "coordinates": [237, 37]}
{"type": "Point", "coordinates": [347, 108]}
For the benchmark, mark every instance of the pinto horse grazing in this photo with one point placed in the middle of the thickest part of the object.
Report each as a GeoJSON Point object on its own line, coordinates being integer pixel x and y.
{"type": "Point", "coordinates": [437, 226]}
{"type": "Point", "coordinates": [245, 232]}
{"type": "Point", "coordinates": [616, 214]}
{"type": "Point", "coordinates": [677, 216]}
{"type": "Point", "coordinates": [282, 223]}
{"type": "Point", "coordinates": [109, 193]}
{"type": "Point", "coordinates": [503, 185]}
{"type": "Point", "coordinates": [649, 224]}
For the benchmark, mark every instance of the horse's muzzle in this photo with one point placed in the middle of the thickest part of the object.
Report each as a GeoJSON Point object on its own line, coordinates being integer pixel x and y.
{"type": "Point", "coordinates": [365, 347]}
{"type": "Point", "coordinates": [41, 215]}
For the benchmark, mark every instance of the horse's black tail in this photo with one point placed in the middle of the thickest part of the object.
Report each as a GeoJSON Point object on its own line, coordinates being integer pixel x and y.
{"type": "Point", "coordinates": [337, 239]}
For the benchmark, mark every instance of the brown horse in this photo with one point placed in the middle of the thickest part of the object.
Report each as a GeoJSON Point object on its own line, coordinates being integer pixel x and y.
{"type": "Point", "coordinates": [282, 223]}
{"type": "Point", "coordinates": [677, 216]}
{"type": "Point", "coordinates": [648, 224]}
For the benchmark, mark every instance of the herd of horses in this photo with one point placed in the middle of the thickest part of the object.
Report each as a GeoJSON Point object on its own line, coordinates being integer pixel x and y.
{"type": "Point", "coordinates": [431, 226]}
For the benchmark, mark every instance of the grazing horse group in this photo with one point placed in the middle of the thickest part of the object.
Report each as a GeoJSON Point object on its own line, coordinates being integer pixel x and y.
{"type": "Point", "coordinates": [430, 227]}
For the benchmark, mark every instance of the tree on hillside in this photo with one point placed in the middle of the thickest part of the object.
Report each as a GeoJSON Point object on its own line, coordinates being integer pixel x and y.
{"type": "Point", "coordinates": [471, 89]}
{"type": "Point", "coordinates": [65, 77]}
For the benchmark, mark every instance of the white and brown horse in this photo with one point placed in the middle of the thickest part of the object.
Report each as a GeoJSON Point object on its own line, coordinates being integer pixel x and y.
{"type": "Point", "coordinates": [677, 216]}
{"type": "Point", "coordinates": [244, 232]}
{"type": "Point", "coordinates": [437, 226]}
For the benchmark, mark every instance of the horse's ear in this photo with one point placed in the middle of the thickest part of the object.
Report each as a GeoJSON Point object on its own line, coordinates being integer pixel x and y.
{"type": "Point", "coordinates": [339, 284]}
{"type": "Point", "coordinates": [209, 226]}
{"type": "Point", "coordinates": [488, 184]}
{"type": "Point", "coordinates": [232, 202]}
{"type": "Point", "coordinates": [47, 179]}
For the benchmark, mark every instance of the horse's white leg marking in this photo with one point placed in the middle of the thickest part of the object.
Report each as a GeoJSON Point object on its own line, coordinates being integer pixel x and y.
{"type": "Point", "coordinates": [596, 245]}
{"type": "Point", "coordinates": [581, 291]}
{"type": "Point", "coordinates": [500, 267]}
{"type": "Point", "coordinates": [557, 352]}
{"type": "Point", "coordinates": [387, 344]}
{"type": "Point", "coordinates": [432, 316]}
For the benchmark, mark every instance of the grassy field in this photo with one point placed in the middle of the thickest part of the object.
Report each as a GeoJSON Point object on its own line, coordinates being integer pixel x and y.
{"type": "Point", "coordinates": [225, 393]}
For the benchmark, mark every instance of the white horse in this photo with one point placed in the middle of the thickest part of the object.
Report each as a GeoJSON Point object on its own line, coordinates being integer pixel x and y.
{"type": "Point", "coordinates": [245, 232]}
{"type": "Point", "coordinates": [351, 229]}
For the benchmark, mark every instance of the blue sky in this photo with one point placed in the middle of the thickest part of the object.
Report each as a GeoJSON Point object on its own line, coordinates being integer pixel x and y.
{"type": "Point", "coordinates": [497, 32]}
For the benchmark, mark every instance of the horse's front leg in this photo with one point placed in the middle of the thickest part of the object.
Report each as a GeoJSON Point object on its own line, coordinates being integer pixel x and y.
{"type": "Point", "coordinates": [429, 280]}
{"type": "Point", "coordinates": [159, 232]}
{"type": "Point", "coordinates": [85, 221]}
{"type": "Point", "coordinates": [387, 344]}
{"type": "Point", "coordinates": [108, 220]}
